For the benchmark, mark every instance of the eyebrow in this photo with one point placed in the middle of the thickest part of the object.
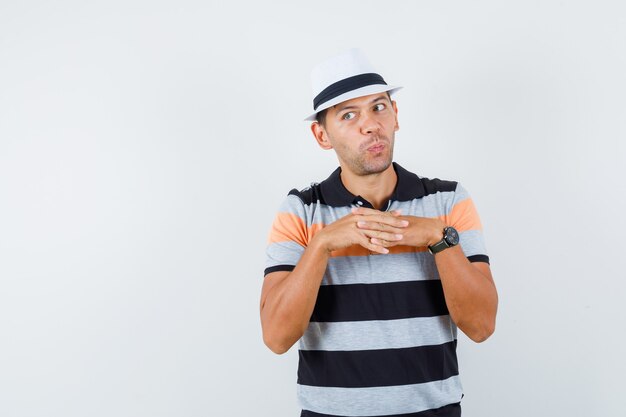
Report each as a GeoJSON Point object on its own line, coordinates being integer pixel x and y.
{"type": "Point", "coordinates": [376, 99]}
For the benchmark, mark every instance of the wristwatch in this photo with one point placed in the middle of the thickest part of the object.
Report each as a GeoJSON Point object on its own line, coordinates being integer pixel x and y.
{"type": "Point", "coordinates": [450, 238]}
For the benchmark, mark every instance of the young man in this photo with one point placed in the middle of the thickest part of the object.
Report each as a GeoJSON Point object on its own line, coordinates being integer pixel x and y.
{"type": "Point", "coordinates": [373, 269]}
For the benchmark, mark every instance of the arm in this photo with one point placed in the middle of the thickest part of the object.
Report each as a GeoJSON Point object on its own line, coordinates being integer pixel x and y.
{"type": "Point", "coordinates": [468, 288]}
{"type": "Point", "coordinates": [470, 293]}
{"type": "Point", "coordinates": [288, 298]}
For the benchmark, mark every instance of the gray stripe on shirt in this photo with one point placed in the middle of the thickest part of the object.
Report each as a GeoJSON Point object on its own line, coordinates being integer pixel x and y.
{"type": "Point", "coordinates": [379, 334]}
{"type": "Point", "coordinates": [283, 253]}
{"type": "Point", "coordinates": [378, 269]}
{"type": "Point", "coordinates": [375, 401]}
{"type": "Point", "coordinates": [472, 242]}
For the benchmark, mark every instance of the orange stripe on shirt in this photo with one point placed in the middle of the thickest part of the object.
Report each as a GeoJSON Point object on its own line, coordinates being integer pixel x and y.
{"type": "Point", "coordinates": [290, 227]}
{"type": "Point", "coordinates": [358, 250]}
{"type": "Point", "coordinates": [463, 216]}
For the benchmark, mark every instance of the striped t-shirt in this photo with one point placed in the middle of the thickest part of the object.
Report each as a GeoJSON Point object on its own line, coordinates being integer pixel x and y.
{"type": "Point", "coordinates": [380, 341]}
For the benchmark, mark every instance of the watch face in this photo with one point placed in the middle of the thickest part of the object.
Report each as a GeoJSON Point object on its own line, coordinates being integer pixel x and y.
{"type": "Point", "coordinates": [451, 236]}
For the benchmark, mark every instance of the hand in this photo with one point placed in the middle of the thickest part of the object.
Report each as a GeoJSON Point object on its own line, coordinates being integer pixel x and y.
{"type": "Point", "coordinates": [420, 231]}
{"type": "Point", "coordinates": [347, 231]}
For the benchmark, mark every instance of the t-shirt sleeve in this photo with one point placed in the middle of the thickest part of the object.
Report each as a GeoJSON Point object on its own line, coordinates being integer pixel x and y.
{"type": "Point", "coordinates": [463, 216]}
{"type": "Point", "coordinates": [288, 236]}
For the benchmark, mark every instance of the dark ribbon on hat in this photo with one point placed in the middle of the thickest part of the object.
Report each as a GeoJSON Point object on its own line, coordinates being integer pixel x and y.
{"type": "Point", "coordinates": [345, 85]}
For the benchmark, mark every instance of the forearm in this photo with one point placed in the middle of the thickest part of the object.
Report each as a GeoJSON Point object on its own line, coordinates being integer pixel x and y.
{"type": "Point", "coordinates": [470, 293]}
{"type": "Point", "coordinates": [287, 309]}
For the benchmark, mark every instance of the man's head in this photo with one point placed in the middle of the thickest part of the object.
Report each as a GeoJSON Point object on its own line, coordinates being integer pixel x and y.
{"type": "Point", "coordinates": [355, 114]}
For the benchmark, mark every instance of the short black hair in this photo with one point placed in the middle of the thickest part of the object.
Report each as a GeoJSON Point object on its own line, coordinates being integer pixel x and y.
{"type": "Point", "coordinates": [321, 116]}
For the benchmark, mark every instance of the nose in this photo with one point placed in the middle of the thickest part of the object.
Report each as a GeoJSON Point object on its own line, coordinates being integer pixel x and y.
{"type": "Point", "coordinates": [368, 124]}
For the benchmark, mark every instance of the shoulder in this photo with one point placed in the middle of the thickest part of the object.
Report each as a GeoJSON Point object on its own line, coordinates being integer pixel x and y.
{"type": "Point", "coordinates": [300, 202]}
{"type": "Point", "coordinates": [448, 192]}
{"type": "Point", "coordinates": [436, 185]}
{"type": "Point", "coordinates": [412, 186]}
{"type": "Point", "coordinates": [308, 195]}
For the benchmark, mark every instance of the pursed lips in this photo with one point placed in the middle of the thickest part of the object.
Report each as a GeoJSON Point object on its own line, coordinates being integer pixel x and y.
{"type": "Point", "coordinates": [376, 144]}
{"type": "Point", "coordinates": [378, 147]}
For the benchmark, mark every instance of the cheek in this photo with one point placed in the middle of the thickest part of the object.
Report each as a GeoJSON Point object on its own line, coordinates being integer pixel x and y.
{"type": "Point", "coordinates": [343, 129]}
{"type": "Point", "coordinates": [394, 122]}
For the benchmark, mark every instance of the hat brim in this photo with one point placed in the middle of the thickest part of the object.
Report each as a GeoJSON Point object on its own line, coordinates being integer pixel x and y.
{"type": "Point", "coordinates": [359, 92]}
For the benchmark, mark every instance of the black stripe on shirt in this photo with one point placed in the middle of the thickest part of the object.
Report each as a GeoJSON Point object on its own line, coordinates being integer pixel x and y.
{"type": "Point", "coordinates": [378, 367]}
{"type": "Point", "coordinates": [451, 410]}
{"type": "Point", "coordinates": [478, 258]}
{"type": "Point", "coordinates": [279, 268]}
{"type": "Point", "coordinates": [388, 301]}
{"type": "Point", "coordinates": [333, 193]}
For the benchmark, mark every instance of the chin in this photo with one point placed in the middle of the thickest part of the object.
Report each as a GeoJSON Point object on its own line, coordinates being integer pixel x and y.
{"type": "Point", "coordinates": [376, 168]}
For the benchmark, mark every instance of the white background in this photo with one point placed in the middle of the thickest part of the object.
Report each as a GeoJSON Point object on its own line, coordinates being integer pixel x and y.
{"type": "Point", "coordinates": [145, 146]}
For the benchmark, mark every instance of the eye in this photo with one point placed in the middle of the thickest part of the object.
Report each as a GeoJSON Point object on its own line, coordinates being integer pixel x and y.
{"type": "Point", "coordinates": [348, 116]}
{"type": "Point", "coordinates": [380, 107]}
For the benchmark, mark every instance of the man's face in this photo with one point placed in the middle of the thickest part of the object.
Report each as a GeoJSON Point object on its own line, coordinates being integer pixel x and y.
{"type": "Point", "coordinates": [362, 133]}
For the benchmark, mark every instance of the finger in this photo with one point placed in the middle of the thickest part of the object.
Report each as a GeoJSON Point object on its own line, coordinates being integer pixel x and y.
{"type": "Point", "coordinates": [361, 224]}
{"type": "Point", "coordinates": [372, 247]}
{"type": "Point", "coordinates": [374, 225]}
{"type": "Point", "coordinates": [365, 211]}
{"type": "Point", "coordinates": [387, 219]}
{"type": "Point", "coordinates": [368, 211]}
{"type": "Point", "coordinates": [383, 243]}
{"type": "Point", "coordinates": [391, 237]}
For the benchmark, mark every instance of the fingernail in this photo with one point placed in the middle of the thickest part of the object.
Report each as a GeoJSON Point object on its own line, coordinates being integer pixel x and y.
{"type": "Point", "coordinates": [399, 237]}
{"type": "Point", "coordinates": [405, 223]}
{"type": "Point", "coordinates": [361, 223]}
{"type": "Point", "coordinates": [385, 250]}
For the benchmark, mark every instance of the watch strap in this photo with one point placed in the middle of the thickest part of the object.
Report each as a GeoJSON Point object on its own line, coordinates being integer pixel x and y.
{"type": "Point", "coordinates": [438, 247]}
{"type": "Point", "coordinates": [450, 238]}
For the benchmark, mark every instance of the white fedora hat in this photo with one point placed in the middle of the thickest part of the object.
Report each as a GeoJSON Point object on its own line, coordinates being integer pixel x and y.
{"type": "Point", "coordinates": [344, 77]}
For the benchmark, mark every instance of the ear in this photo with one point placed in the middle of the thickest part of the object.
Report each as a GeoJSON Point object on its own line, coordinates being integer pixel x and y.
{"type": "Point", "coordinates": [395, 109]}
{"type": "Point", "coordinates": [321, 136]}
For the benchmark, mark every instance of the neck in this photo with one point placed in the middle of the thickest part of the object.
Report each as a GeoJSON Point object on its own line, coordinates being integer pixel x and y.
{"type": "Point", "coordinates": [375, 188]}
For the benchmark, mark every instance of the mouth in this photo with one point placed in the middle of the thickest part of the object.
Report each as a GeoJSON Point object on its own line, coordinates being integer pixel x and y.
{"type": "Point", "coordinates": [379, 147]}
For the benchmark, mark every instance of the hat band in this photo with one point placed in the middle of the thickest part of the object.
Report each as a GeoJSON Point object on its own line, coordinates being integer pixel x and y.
{"type": "Point", "coordinates": [345, 85]}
